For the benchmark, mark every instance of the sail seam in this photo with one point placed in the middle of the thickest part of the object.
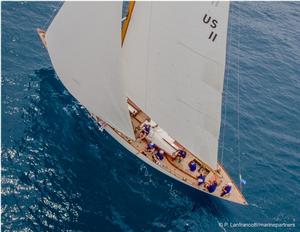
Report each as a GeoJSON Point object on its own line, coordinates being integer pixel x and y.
{"type": "Point", "coordinates": [197, 52]}
{"type": "Point", "coordinates": [197, 110]}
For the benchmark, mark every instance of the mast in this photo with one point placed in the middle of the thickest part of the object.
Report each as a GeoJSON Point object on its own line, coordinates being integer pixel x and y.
{"type": "Point", "coordinates": [127, 20]}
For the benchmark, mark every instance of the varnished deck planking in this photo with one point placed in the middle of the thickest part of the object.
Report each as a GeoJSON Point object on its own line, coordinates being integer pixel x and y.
{"type": "Point", "coordinates": [181, 170]}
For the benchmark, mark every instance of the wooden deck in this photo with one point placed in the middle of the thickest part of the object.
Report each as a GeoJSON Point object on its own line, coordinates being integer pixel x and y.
{"type": "Point", "coordinates": [180, 168]}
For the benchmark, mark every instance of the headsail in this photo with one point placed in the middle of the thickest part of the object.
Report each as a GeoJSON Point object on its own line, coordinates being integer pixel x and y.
{"type": "Point", "coordinates": [173, 67]}
{"type": "Point", "coordinates": [85, 47]}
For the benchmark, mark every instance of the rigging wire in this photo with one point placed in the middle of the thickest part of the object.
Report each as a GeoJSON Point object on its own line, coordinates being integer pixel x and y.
{"type": "Point", "coordinates": [238, 100]}
{"type": "Point", "coordinates": [225, 92]}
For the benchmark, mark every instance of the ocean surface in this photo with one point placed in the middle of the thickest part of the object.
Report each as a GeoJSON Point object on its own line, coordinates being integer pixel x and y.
{"type": "Point", "coordinates": [61, 173]}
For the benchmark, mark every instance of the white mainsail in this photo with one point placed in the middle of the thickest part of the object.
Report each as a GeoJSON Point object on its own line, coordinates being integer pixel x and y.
{"type": "Point", "coordinates": [173, 67]}
{"type": "Point", "coordinates": [84, 43]}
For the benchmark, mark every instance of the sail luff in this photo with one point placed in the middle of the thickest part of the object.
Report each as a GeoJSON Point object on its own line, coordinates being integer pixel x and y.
{"type": "Point", "coordinates": [84, 45]}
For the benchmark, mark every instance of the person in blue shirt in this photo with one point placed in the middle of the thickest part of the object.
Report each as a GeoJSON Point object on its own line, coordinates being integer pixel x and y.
{"type": "Point", "coordinates": [145, 131]}
{"type": "Point", "coordinates": [151, 147]}
{"type": "Point", "coordinates": [211, 187]}
{"type": "Point", "coordinates": [226, 189]}
{"type": "Point", "coordinates": [147, 128]}
{"type": "Point", "coordinates": [201, 179]}
{"type": "Point", "coordinates": [160, 154]}
{"type": "Point", "coordinates": [182, 153]}
{"type": "Point", "coordinates": [192, 166]}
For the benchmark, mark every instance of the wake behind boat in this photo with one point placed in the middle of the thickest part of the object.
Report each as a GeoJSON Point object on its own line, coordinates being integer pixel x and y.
{"type": "Point", "coordinates": [160, 94]}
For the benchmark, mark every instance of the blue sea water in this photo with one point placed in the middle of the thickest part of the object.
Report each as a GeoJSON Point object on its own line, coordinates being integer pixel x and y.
{"type": "Point", "coordinates": [60, 173]}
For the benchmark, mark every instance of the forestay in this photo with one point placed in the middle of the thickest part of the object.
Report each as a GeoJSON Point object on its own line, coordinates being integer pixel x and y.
{"type": "Point", "coordinates": [84, 43]}
{"type": "Point", "coordinates": [173, 67]}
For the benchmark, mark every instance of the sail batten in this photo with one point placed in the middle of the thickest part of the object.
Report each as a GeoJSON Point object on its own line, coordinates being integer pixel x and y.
{"type": "Point", "coordinates": [173, 67]}
{"type": "Point", "coordinates": [84, 45]}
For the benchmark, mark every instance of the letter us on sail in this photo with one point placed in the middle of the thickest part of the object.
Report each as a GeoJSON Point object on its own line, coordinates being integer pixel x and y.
{"type": "Point", "coordinates": [213, 24]}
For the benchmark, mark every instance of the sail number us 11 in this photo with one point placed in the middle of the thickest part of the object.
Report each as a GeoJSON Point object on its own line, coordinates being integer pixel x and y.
{"type": "Point", "coordinates": [213, 24]}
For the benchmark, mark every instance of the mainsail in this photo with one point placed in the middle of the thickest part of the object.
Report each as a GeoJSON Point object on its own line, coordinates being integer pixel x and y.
{"type": "Point", "coordinates": [173, 67]}
{"type": "Point", "coordinates": [85, 47]}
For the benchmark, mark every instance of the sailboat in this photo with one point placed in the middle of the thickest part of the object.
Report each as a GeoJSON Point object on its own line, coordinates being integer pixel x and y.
{"type": "Point", "coordinates": [154, 84]}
